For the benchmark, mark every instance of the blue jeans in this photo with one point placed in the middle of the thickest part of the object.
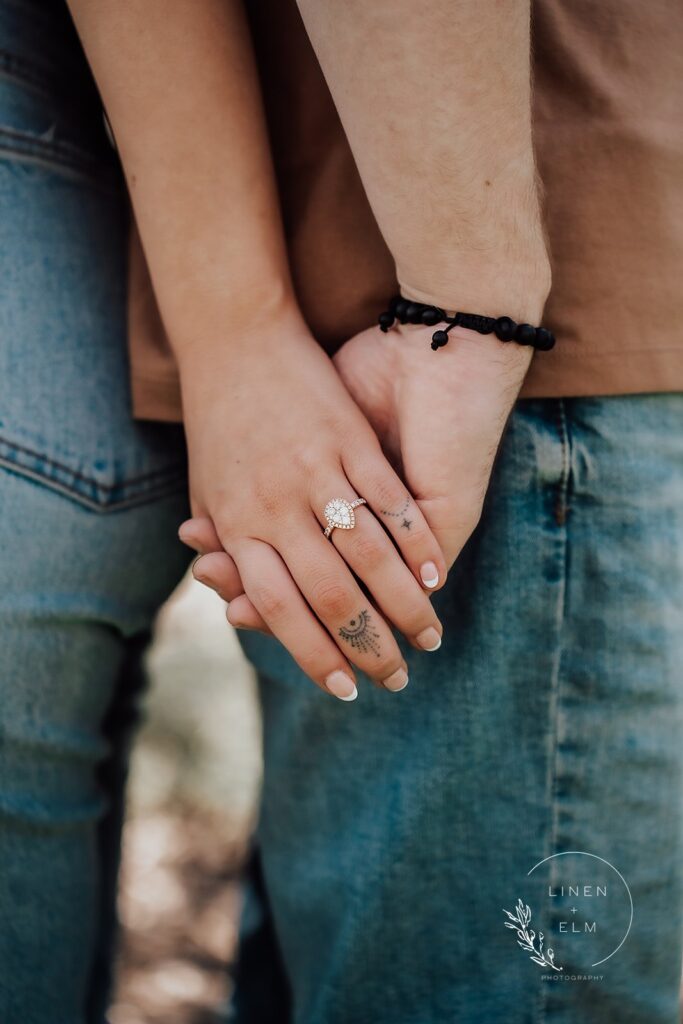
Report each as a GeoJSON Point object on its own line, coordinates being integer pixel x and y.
{"type": "Point", "coordinates": [396, 830]}
{"type": "Point", "coordinates": [89, 507]}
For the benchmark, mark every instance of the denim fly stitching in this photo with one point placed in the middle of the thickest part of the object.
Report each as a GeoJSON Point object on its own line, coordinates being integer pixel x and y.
{"type": "Point", "coordinates": [562, 493]}
{"type": "Point", "coordinates": [560, 512]}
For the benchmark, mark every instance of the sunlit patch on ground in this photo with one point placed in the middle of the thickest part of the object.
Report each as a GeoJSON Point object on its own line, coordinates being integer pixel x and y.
{"type": "Point", "coordinates": [193, 791]}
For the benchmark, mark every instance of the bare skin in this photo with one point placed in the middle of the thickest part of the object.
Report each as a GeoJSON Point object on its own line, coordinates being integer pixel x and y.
{"type": "Point", "coordinates": [439, 416]}
{"type": "Point", "coordinates": [273, 433]}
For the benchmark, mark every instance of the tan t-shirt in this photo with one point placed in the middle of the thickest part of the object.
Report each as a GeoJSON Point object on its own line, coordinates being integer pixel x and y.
{"type": "Point", "coordinates": [608, 124]}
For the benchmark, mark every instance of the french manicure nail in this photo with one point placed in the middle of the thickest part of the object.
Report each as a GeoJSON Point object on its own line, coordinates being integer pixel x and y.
{"type": "Point", "coordinates": [342, 686]}
{"type": "Point", "coordinates": [398, 680]}
{"type": "Point", "coordinates": [429, 639]}
{"type": "Point", "coordinates": [429, 574]}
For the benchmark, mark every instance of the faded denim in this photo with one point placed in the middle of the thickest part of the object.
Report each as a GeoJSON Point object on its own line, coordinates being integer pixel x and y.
{"type": "Point", "coordinates": [89, 507]}
{"type": "Point", "coordinates": [396, 829]}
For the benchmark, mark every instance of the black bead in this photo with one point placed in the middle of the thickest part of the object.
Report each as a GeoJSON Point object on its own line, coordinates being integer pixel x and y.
{"type": "Point", "coordinates": [414, 313]}
{"type": "Point", "coordinates": [385, 321]}
{"type": "Point", "coordinates": [394, 303]}
{"type": "Point", "coordinates": [505, 328]}
{"type": "Point", "coordinates": [430, 316]}
{"type": "Point", "coordinates": [525, 334]}
{"type": "Point", "coordinates": [401, 308]}
{"type": "Point", "coordinates": [545, 339]}
{"type": "Point", "coordinates": [439, 339]}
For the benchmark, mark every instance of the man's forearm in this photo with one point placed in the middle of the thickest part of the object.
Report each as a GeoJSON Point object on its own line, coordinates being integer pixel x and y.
{"type": "Point", "coordinates": [435, 99]}
{"type": "Point", "coordinates": [181, 91]}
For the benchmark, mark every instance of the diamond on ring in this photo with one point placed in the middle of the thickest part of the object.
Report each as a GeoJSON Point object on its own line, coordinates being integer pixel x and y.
{"type": "Point", "coordinates": [339, 514]}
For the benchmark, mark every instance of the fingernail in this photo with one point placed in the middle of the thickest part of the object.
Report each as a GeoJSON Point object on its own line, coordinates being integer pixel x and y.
{"type": "Point", "coordinates": [190, 542]}
{"type": "Point", "coordinates": [199, 577]}
{"type": "Point", "coordinates": [193, 568]}
{"type": "Point", "coordinates": [206, 583]}
{"type": "Point", "coordinates": [429, 639]}
{"type": "Point", "coordinates": [398, 680]}
{"type": "Point", "coordinates": [429, 574]}
{"type": "Point", "coordinates": [342, 686]}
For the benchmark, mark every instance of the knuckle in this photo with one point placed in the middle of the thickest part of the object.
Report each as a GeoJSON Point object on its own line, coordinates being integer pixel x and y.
{"type": "Point", "coordinates": [389, 495]}
{"type": "Point", "coordinates": [224, 523]}
{"type": "Point", "coordinates": [387, 665]}
{"type": "Point", "coordinates": [418, 536]}
{"type": "Point", "coordinates": [312, 661]}
{"type": "Point", "coordinates": [361, 450]}
{"type": "Point", "coordinates": [271, 603]}
{"type": "Point", "coordinates": [304, 460]}
{"type": "Point", "coordinates": [332, 599]}
{"type": "Point", "coordinates": [268, 498]}
{"type": "Point", "coordinates": [370, 551]}
{"type": "Point", "coordinates": [419, 618]}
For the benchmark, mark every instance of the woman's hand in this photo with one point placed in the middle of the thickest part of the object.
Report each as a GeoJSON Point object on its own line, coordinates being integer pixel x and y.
{"type": "Point", "coordinates": [440, 417]}
{"type": "Point", "coordinates": [273, 435]}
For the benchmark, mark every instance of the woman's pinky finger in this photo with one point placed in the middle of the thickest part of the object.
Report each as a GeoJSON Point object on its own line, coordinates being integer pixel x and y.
{"type": "Point", "coordinates": [274, 594]}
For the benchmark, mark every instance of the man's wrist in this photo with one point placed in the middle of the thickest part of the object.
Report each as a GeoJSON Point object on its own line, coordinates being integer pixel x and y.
{"type": "Point", "coordinates": [487, 286]}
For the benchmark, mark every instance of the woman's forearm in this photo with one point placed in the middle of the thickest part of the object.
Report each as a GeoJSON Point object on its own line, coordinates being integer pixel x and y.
{"type": "Point", "coordinates": [435, 98]}
{"type": "Point", "coordinates": [181, 91]}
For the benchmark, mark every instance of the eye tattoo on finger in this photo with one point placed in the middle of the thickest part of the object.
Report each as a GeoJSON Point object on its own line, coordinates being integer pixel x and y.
{"type": "Point", "coordinates": [361, 634]}
{"type": "Point", "coordinates": [407, 523]}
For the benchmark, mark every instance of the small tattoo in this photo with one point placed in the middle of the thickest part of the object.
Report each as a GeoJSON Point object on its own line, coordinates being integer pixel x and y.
{"type": "Point", "coordinates": [406, 523]}
{"type": "Point", "coordinates": [401, 511]}
{"type": "Point", "coordinates": [361, 634]}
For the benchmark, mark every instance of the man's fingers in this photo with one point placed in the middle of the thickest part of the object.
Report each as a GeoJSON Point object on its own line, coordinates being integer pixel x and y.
{"type": "Point", "coordinates": [218, 571]}
{"type": "Point", "coordinates": [241, 614]}
{"type": "Point", "coordinates": [200, 535]}
{"type": "Point", "coordinates": [452, 523]}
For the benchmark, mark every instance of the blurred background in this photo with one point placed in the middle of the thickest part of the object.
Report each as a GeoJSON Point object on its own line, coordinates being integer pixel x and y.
{"type": "Point", "coordinates": [191, 808]}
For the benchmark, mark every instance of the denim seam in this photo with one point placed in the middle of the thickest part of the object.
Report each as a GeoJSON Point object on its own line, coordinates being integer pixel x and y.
{"type": "Point", "coordinates": [561, 495]}
{"type": "Point", "coordinates": [169, 470]}
{"type": "Point", "coordinates": [60, 477]}
{"type": "Point", "coordinates": [18, 69]}
{"type": "Point", "coordinates": [140, 498]}
{"type": "Point", "coordinates": [560, 515]}
{"type": "Point", "coordinates": [56, 154]}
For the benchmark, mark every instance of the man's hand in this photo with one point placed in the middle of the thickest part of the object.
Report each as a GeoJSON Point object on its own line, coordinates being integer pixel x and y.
{"type": "Point", "coordinates": [439, 415]}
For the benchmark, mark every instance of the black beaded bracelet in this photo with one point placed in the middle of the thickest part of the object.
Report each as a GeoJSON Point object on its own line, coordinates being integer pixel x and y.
{"type": "Point", "coordinates": [505, 329]}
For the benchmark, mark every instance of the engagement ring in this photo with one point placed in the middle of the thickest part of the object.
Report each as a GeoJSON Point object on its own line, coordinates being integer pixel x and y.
{"type": "Point", "coordinates": [339, 512]}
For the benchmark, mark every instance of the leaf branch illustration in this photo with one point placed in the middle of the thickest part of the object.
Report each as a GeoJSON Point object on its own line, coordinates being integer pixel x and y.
{"type": "Point", "coordinates": [526, 936]}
